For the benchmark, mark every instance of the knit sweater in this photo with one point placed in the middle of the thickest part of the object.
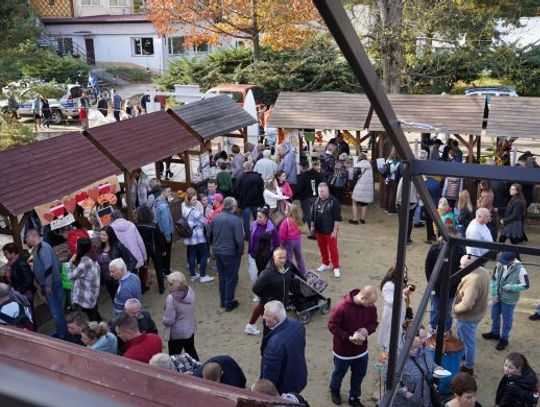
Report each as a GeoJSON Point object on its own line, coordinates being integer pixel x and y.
{"type": "Point", "coordinates": [472, 296]}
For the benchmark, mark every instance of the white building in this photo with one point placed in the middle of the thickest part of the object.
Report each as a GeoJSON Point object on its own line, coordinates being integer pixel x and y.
{"type": "Point", "coordinates": [108, 33]}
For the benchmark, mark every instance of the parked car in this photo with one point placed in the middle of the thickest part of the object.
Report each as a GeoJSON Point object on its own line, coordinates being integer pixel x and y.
{"type": "Point", "coordinates": [61, 108]}
{"type": "Point", "coordinates": [490, 91]}
{"type": "Point", "coordinates": [238, 92]}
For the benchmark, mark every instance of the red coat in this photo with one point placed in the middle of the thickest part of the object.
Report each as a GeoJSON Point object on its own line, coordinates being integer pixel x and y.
{"type": "Point", "coordinates": [346, 318]}
{"type": "Point", "coordinates": [143, 347]}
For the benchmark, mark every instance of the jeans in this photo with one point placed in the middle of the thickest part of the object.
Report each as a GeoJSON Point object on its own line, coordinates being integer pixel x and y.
{"type": "Point", "coordinates": [227, 268]}
{"type": "Point", "coordinates": [307, 208]}
{"type": "Point", "coordinates": [54, 300]}
{"type": "Point", "coordinates": [358, 371]}
{"type": "Point", "coordinates": [197, 252]}
{"type": "Point", "coordinates": [506, 311]}
{"type": "Point", "coordinates": [538, 309]}
{"type": "Point", "coordinates": [434, 313]}
{"type": "Point", "coordinates": [418, 214]}
{"type": "Point", "coordinates": [328, 243]}
{"type": "Point", "coordinates": [246, 212]}
{"type": "Point", "coordinates": [466, 331]}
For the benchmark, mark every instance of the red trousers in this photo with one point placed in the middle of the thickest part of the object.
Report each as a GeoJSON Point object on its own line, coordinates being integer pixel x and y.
{"type": "Point", "coordinates": [328, 243]}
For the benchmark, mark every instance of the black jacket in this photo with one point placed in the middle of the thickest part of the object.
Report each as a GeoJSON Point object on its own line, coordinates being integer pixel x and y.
{"type": "Point", "coordinates": [431, 259]}
{"type": "Point", "coordinates": [273, 285]}
{"type": "Point", "coordinates": [306, 185]}
{"type": "Point", "coordinates": [119, 250]}
{"type": "Point", "coordinates": [21, 276]}
{"type": "Point", "coordinates": [232, 373]}
{"type": "Point", "coordinates": [248, 190]}
{"type": "Point", "coordinates": [146, 323]}
{"type": "Point", "coordinates": [153, 239]}
{"type": "Point", "coordinates": [517, 391]}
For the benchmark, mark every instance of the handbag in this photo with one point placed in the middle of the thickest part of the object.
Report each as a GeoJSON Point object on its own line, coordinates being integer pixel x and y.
{"type": "Point", "coordinates": [182, 226]}
{"type": "Point", "coordinates": [144, 275]}
{"type": "Point", "coordinates": [277, 216]}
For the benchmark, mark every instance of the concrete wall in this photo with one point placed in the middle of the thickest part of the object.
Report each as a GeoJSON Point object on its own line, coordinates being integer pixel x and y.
{"type": "Point", "coordinates": [104, 7]}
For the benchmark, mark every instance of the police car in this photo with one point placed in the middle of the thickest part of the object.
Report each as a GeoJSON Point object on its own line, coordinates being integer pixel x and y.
{"type": "Point", "coordinates": [61, 108]}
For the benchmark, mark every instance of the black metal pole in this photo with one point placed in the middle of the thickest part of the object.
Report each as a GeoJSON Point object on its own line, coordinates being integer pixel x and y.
{"type": "Point", "coordinates": [417, 321]}
{"type": "Point", "coordinates": [398, 276]}
{"type": "Point", "coordinates": [443, 302]}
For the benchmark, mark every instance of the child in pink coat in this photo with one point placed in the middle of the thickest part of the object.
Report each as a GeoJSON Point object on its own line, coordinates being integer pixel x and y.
{"type": "Point", "coordinates": [290, 235]}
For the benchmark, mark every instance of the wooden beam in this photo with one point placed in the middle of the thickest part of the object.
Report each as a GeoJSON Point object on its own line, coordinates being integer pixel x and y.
{"type": "Point", "coordinates": [127, 189]}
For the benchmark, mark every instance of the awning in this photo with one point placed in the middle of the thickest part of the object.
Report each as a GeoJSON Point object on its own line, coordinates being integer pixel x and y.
{"type": "Point", "coordinates": [514, 117]}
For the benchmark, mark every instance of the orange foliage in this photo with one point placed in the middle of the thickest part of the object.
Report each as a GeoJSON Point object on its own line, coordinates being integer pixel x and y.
{"type": "Point", "coordinates": [278, 23]}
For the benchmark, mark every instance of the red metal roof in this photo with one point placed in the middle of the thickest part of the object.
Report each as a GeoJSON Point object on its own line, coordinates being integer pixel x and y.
{"type": "Point", "coordinates": [123, 380]}
{"type": "Point", "coordinates": [46, 170]}
{"type": "Point", "coordinates": [104, 19]}
{"type": "Point", "coordinates": [142, 140]}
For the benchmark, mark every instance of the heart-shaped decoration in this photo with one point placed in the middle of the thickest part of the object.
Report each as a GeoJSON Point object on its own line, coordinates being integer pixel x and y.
{"type": "Point", "coordinates": [48, 216]}
{"type": "Point", "coordinates": [57, 210]}
{"type": "Point", "coordinates": [93, 193]}
{"type": "Point", "coordinates": [104, 188]}
{"type": "Point", "coordinates": [70, 204]}
{"type": "Point", "coordinates": [112, 188]}
{"type": "Point", "coordinates": [81, 197]}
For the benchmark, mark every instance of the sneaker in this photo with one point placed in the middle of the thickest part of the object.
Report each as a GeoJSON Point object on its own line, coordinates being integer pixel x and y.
{"type": "Point", "coordinates": [363, 221]}
{"type": "Point", "coordinates": [501, 345]}
{"type": "Point", "coordinates": [534, 317]}
{"type": "Point", "coordinates": [324, 267]}
{"type": "Point", "coordinates": [466, 370]}
{"type": "Point", "coordinates": [312, 237]}
{"type": "Point", "coordinates": [336, 397]}
{"type": "Point", "coordinates": [195, 277]}
{"type": "Point", "coordinates": [206, 279]}
{"type": "Point", "coordinates": [337, 273]}
{"type": "Point", "coordinates": [256, 299]}
{"type": "Point", "coordinates": [251, 329]}
{"type": "Point", "coordinates": [355, 402]}
{"type": "Point", "coordinates": [353, 222]}
{"type": "Point", "coordinates": [490, 335]}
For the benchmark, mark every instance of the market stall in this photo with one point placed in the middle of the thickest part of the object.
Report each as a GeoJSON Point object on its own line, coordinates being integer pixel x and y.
{"type": "Point", "coordinates": [209, 119]}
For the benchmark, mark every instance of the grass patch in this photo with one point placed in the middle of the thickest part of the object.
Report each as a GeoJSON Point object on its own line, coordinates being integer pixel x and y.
{"type": "Point", "coordinates": [135, 75]}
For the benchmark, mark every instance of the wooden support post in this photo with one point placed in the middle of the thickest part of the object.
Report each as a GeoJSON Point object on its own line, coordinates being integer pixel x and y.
{"type": "Point", "coordinates": [16, 231]}
{"type": "Point", "coordinates": [158, 165]}
{"type": "Point", "coordinates": [127, 189]}
{"type": "Point", "coordinates": [187, 167]}
{"type": "Point", "coordinates": [358, 141]}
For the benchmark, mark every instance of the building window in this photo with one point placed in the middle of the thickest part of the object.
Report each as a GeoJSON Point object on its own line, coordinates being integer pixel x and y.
{"type": "Point", "coordinates": [202, 47]}
{"type": "Point", "coordinates": [90, 2]}
{"type": "Point", "coordinates": [176, 45]}
{"type": "Point", "coordinates": [143, 46]}
{"type": "Point", "coordinates": [119, 3]}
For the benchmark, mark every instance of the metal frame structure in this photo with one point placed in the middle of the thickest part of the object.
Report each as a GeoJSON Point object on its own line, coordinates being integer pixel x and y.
{"type": "Point", "coordinates": [335, 17]}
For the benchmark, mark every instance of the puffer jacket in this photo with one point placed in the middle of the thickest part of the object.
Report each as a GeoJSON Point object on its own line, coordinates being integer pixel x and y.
{"type": "Point", "coordinates": [363, 183]}
{"type": "Point", "coordinates": [508, 282]}
{"type": "Point", "coordinates": [130, 237]}
{"type": "Point", "coordinates": [518, 391]}
{"type": "Point", "coordinates": [179, 314]}
{"type": "Point", "coordinates": [274, 285]}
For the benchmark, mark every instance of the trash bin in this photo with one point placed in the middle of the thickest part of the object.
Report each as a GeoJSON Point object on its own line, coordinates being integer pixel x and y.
{"type": "Point", "coordinates": [451, 359]}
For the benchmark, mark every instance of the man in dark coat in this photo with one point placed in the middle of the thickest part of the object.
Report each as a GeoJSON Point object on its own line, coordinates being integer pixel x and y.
{"type": "Point", "coordinates": [222, 369]}
{"type": "Point", "coordinates": [283, 350]}
{"type": "Point", "coordinates": [306, 189]}
{"type": "Point", "coordinates": [248, 191]}
{"type": "Point", "coordinates": [133, 308]}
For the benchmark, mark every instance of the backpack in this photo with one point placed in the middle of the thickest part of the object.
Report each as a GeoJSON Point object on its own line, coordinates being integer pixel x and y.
{"type": "Point", "coordinates": [24, 319]}
{"type": "Point", "coordinates": [182, 226]}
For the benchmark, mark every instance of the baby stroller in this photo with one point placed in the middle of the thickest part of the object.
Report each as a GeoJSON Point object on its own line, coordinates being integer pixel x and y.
{"type": "Point", "coordinates": [307, 296]}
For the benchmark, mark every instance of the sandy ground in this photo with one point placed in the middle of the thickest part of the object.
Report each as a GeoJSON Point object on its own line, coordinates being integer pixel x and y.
{"type": "Point", "coordinates": [367, 251]}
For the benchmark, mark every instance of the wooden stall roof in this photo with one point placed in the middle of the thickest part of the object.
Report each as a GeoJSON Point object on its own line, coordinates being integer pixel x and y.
{"type": "Point", "coordinates": [41, 172]}
{"type": "Point", "coordinates": [319, 110]}
{"type": "Point", "coordinates": [455, 114]}
{"type": "Point", "coordinates": [124, 380]}
{"type": "Point", "coordinates": [132, 143]}
{"type": "Point", "coordinates": [342, 111]}
{"type": "Point", "coordinates": [514, 117]}
{"type": "Point", "coordinates": [214, 116]}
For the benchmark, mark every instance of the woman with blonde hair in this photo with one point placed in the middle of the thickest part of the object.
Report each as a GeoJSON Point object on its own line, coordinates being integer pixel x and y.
{"type": "Point", "coordinates": [96, 335]}
{"type": "Point", "coordinates": [179, 315]}
{"type": "Point", "coordinates": [290, 235]}
{"type": "Point", "coordinates": [273, 198]}
{"type": "Point", "coordinates": [464, 212]}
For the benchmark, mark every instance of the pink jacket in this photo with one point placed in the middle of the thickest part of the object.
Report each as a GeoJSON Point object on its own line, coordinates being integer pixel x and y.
{"type": "Point", "coordinates": [288, 230]}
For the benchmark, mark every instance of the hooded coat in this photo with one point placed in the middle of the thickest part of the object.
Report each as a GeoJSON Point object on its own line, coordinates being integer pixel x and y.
{"type": "Point", "coordinates": [288, 164]}
{"type": "Point", "coordinates": [273, 284]}
{"type": "Point", "coordinates": [363, 183]}
{"type": "Point", "coordinates": [179, 314]}
{"type": "Point", "coordinates": [130, 237]}
{"type": "Point", "coordinates": [517, 391]}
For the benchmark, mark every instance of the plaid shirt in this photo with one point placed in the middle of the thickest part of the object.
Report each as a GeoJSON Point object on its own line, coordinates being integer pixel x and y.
{"type": "Point", "coordinates": [195, 220]}
{"type": "Point", "coordinates": [85, 279]}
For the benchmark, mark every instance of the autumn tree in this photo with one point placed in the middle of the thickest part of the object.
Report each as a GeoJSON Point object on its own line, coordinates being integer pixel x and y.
{"type": "Point", "coordinates": [277, 23]}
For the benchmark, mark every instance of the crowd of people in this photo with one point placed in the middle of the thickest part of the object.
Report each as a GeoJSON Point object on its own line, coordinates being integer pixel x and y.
{"type": "Point", "coordinates": [260, 207]}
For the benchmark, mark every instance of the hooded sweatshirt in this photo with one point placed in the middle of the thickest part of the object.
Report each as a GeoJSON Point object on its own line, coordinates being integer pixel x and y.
{"type": "Point", "coordinates": [288, 164]}
{"type": "Point", "coordinates": [179, 314]}
{"type": "Point", "coordinates": [346, 318]}
{"type": "Point", "coordinates": [130, 237]}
